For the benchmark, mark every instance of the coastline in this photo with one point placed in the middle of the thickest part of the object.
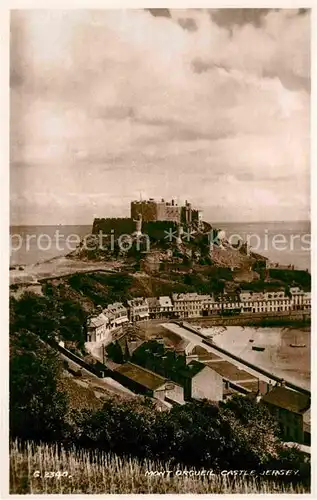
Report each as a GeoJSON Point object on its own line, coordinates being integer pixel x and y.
{"type": "Point", "coordinates": [278, 356]}
{"type": "Point", "coordinates": [57, 267]}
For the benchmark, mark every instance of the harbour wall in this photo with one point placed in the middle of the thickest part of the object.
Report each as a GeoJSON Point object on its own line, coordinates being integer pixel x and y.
{"type": "Point", "coordinates": [287, 318]}
{"type": "Point", "coordinates": [247, 364]}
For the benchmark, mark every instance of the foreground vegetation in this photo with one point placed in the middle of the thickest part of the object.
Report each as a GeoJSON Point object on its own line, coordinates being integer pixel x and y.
{"type": "Point", "coordinates": [200, 434]}
{"type": "Point", "coordinates": [84, 472]}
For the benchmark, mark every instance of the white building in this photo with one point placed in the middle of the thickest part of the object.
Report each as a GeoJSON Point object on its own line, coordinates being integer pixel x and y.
{"type": "Point", "coordinates": [154, 307]}
{"type": "Point", "coordinates": [277, 301]}
{"type": "Point", "coordinates": [210, 305]}
{"type": "Point", "coordinates": [307, 301]}
{"type": "Point", "coordinates": [138, 309]}
{"type": "Point", "coordinates": [297, 299]}
{"type": "Point", "coordinates": [160, 307]}
{"type": "Point", "coordinates": [165, 304]}
{"type": "Point", "coordinates": [99, 329]}
{"type": "Point", "coordinates": [251, 302]}
{"type": "Point", "coordinates": [230, 303]}
{"type": "Point", "coordinates": [117, 314]}
{"type": "Point", "coordinates": [189, 305]}
{"type": "Point", "coordinates": [258, 302]}
{"type": "Point", "coordinates": [203, 383]}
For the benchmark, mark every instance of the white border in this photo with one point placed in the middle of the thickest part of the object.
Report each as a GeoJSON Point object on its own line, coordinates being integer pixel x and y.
{"type": "Point", "coordinates": [4, 194]}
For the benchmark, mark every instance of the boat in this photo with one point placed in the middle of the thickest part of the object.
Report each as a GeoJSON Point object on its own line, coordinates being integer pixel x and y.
{"type": "Point", "coordinates": [251, 340]}
{"type": "Point", "coordinates": [297, 344]}
{"type": "Point", "coordinates": [258, 348]}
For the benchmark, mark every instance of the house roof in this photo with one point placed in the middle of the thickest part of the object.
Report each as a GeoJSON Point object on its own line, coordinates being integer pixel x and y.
{"type": "Point", "coordinates": [138, 301]}
{"type": "Point", "coordinates": [204, 355]}
{"type": "Point", "coordinates": [230, 297]}
{"type": "Point", "coordinates": [97, 321]}
{"type": "Point", "coordinates": [196, 367]}
{"type": "Point", "coordinates": [230, 371]}
{"type": "Point", "coordinates": [190, 296]}
{"type": "Point", "coordinates": [153, 302]}
{"type": "Point", "coordinates": [286, 398]}
{"type": "Point", "coordinates": [131, 341]}
{"type": "Point", "coordinates": [142, 376]}
{"type": "Point", "coordinates": [249, 295]}
{"type": "Point", "coordinates": [116, 306]}
{"type": "Point", "coordinates": [165, 300]}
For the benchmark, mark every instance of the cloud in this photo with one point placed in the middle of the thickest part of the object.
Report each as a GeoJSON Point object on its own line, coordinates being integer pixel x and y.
{"type": "Point", "coordinates": [170, 103]}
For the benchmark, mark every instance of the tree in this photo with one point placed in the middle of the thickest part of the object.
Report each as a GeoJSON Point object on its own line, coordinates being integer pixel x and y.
{"type": "Point", "coordinates": [201, 437]}
{"type": "Point", "coordinates": [37, 408]}
{"type": "Point", "coordinates": [205, 434]}
{"type": "Point", "coordinates": [254, 429]}
{"type": "Point", "coordinates": [124, 427]}
{"type": "Point", "coordinates": [35, 313]}
{"type": "Point", "coordinates": [292, 459]}
{"type": "Point", "coordinates": [115, 353]}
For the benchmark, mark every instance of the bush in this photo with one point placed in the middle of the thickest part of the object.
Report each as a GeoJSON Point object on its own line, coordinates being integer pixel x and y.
{"type": "Point", "coordinates": [292, 277]}
{"type": "Point", "coordinates": [37, 408]}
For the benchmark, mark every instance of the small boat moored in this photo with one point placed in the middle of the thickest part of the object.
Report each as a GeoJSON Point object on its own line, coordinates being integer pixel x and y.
{"type": "Point", "coordinates": [258, 348]}
{"type": "Point", "coordinates": [297, 344]}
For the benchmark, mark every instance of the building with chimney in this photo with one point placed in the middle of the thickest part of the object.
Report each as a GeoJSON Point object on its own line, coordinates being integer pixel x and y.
{"type": "Point", "coordinates": [289, 408]}
{"type": "Point", "coordinates": [188, 305]}
{"type": "Point", "coordinates": [99, 329]}
{"type": "Point", "coordinates": [152, 210]}
{"type": "Point", "coordinates": [138, 309]}
{"type": "Point", "coordinates": [117, 313]}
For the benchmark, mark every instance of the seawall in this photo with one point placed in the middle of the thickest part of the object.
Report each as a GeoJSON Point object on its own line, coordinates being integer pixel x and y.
{"type": "Point", "coordinates": [247, 364]}
{"type": "Point", "coordinates": [285, 318]}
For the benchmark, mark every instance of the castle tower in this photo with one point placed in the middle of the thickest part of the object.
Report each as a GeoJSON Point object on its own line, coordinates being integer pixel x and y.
{"type": "Point", "coordinates": [138, 226]}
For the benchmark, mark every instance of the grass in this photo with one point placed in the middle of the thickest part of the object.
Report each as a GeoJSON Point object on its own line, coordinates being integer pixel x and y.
{"type": "Point", "coordinates": [108, 473]}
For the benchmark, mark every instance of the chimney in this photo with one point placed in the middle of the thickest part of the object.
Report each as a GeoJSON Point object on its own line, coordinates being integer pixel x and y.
{"type": "Point", "coordinates": [172, 203]}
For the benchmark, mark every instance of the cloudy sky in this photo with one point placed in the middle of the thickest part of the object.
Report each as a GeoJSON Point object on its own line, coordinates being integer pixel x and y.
{"type": "Point", "coordinates": [207, 105]}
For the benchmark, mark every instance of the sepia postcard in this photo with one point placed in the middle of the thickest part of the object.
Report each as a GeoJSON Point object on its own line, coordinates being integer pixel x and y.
{"type": "Point", "coordinates": [160, 251]}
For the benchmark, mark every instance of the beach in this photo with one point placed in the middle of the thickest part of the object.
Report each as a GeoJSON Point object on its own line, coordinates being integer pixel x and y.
{"type": "Point", "coordinates": [56, 267]}
{"type": "Point", "coordinates": [279, 357]}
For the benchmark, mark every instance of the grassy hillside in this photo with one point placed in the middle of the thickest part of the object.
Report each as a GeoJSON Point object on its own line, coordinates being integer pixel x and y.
{"type": "Point", "coordinates": [82, 472]}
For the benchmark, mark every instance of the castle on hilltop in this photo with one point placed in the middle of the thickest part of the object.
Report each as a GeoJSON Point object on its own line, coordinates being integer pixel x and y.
{"type": "Point", "coordinates": [155, 219]}
{"type": "Point", "coordinates": [152, 211]}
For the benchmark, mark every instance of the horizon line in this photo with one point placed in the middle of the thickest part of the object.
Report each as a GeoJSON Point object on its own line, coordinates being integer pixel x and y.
{"type": "Point", "coordinates": [213, 222]}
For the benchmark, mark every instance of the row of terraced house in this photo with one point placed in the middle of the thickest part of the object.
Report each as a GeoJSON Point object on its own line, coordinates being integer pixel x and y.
{"type": "Point", "coordinates": [189, 305]}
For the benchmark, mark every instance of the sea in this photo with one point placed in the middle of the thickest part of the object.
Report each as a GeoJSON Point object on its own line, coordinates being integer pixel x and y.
{"type": "Point", "coordinates": [286, 243]}
{"type": "Point", "coordinates": [33, 244]}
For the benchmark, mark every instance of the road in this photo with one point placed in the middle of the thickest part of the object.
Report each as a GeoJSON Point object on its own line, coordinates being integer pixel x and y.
{"type": "Point", "coordinates": [95, 382]}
